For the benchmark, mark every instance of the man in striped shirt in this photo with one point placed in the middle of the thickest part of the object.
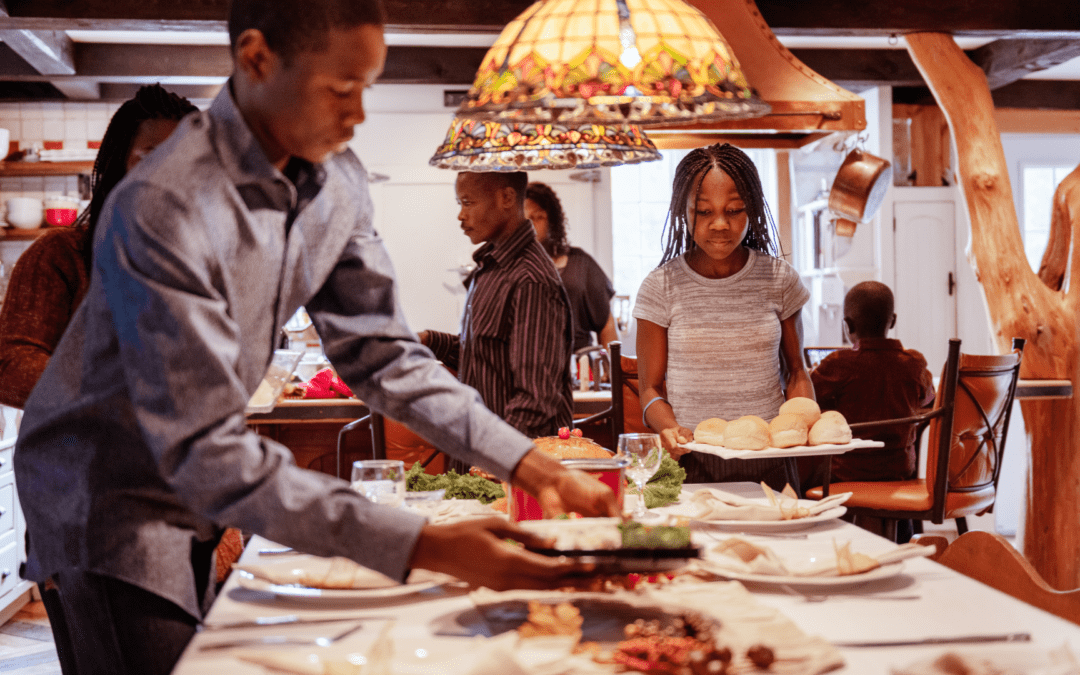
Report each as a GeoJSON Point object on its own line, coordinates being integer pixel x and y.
{"type": "Point", "coordinates": [514, 346]}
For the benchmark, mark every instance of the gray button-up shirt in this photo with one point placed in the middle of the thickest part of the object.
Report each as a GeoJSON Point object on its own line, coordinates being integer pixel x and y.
{"type": "Point", "coordinates": [134, 442]}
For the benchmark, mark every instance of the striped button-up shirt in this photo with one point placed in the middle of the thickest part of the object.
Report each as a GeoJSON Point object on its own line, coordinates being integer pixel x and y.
{"type": "Point", "coordinates": [514, 346]}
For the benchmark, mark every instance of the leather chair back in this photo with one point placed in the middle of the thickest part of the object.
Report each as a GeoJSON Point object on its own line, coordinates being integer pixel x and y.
{"type": "Point", "coordinates": [982, 405]}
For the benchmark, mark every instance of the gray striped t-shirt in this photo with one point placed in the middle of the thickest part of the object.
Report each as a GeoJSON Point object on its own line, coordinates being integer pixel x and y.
{"type": "Point", "coordinates": [723, 335]}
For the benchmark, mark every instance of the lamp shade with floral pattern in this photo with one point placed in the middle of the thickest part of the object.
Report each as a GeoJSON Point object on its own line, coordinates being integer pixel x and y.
{"type": "Point", "coordinates": [487, 145]}
{"type": "Point", "coordinates": [611, 62]}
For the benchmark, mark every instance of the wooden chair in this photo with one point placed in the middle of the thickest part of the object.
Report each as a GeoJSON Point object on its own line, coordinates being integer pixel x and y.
{"type": "Point", "coordinates": [389, 440]}
{"type": "Point", "coordinates": [968, 428]}
{"type": "Point", "coordinates": [991, 559]}
{"type": "Point", "coordinates": [624, 415]}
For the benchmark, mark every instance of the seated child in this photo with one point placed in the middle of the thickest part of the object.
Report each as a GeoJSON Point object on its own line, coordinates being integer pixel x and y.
{"type": "Point", "coordinates": [877, 379]}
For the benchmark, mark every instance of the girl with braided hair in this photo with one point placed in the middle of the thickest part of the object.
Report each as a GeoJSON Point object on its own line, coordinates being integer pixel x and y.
{"type": "Point", "coordinates": [51, 277]}
{"type": "Point", "coordinates": [719, 329]}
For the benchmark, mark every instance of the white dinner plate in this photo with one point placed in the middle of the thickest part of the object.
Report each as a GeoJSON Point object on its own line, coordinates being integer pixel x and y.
{"type": "Point", "coordinates": [883, 572]}
{"type": "Point", "coordinates": [687, 509]}
{"type": "Point", "coordinates": [797, 451]}
{"type": "Point", "coordinates": [251, 582]}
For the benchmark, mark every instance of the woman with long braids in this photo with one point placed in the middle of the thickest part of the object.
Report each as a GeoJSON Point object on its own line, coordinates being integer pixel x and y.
{"type": "Point", "coordinates": [589, 289]}
{"type": "Point", "coordinates": [719, 320]}
{"type": "Point", "coordinates": [51, 277]}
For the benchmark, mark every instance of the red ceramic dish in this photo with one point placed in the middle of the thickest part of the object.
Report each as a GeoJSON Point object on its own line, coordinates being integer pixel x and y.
{"type": "Point", "coordinates": [608, 471]}
{"type": "Point", "coordinates": [60, 217]}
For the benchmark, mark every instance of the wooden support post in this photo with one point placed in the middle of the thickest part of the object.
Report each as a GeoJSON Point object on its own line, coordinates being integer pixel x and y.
{"type": "Point", "coordinates": [1020, 304]}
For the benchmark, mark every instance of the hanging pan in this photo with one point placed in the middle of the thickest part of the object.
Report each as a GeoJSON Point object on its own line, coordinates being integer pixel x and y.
{"type": "Point", "coordinates": [858, 190]}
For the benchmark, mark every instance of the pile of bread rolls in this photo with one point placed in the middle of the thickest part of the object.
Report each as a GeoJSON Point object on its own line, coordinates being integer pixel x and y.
{"type": "Point", "coordinates": [800, 422]}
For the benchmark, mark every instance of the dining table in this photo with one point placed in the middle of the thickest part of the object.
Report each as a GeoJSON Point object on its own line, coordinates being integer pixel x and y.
{"type": "Point", "coordinates": [914, 609]}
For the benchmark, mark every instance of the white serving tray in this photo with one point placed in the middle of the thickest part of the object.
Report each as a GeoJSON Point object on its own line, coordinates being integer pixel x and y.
{"type": "Point", "coordinates": [796, 451]}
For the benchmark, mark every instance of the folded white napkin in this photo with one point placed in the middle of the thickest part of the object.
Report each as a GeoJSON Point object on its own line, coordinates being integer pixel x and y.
{"type": "Point", "coordinates": [713, 504]}
{"type": "Point", "coordinates": [328, 573]}
{"type": "Point", "coordinates": [744, 557]}
{"type": "Point", "coordinates": [453, 510]}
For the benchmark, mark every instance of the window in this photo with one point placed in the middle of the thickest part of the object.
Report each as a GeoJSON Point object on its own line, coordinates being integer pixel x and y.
{"type": "Point", "coordinates": [1038, 183]}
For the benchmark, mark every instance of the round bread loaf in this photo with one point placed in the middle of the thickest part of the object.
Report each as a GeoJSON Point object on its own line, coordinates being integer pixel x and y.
{"type": "Point", "coordinates": [806, 407]}
{"type": "Point", "coordinates": [747, 433]}
{"type": "Point", "coordinates": [831, 428]}
{"type": "Point", "coordinates": [571, 448]}
{"type": "Point", "coordinates": [711, 431]}
{"type": "Point", "coordinates": [788, 430]}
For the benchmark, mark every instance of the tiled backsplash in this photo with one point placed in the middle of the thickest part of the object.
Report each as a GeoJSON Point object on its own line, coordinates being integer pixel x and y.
{"type": "Point", "coordinates": [74, 123]}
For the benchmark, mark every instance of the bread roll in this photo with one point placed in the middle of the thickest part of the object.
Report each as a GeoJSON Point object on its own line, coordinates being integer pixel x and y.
{"type": "Point", "coordinates": [571, 448]}
{"type": "Point", "coordinates": [711, 431]}
{"type": "Point", "coordinates": [788, 430]}
{"type": "Point", "coordinates": [806, 407]}
{"type": "Point", "coordinates": [747, 433]}
{"type": "Point", "coordinates": [831, 428]}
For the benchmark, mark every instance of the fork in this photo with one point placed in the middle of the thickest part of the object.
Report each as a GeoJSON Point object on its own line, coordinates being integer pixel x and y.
{"type": "Point", "coordinates": [283, 640]}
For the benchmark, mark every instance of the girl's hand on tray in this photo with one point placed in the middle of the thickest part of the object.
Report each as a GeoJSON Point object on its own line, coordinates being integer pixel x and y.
{"type": "Point", "coordinates": [673, 438]}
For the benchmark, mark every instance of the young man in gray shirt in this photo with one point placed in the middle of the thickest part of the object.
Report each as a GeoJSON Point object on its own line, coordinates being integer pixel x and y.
{"type": "Point", "coordinates": [134, 453]}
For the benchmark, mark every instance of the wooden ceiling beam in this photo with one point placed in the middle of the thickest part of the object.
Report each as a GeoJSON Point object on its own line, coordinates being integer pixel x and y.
{"type": "Point", "coordinates": [1007, 61]}
{"type": "Point", "coordinates": [1016, 18]}
{"type": "Point", "coordinates": [858, 69]}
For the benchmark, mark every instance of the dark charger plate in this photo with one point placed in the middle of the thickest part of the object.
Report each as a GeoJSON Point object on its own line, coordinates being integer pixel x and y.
{"type": "Point", "coordinates": [630, 560]}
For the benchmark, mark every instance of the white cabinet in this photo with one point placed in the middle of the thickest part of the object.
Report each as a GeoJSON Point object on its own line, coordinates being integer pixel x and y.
{"type": "Point", "coordinates": [14, 591]}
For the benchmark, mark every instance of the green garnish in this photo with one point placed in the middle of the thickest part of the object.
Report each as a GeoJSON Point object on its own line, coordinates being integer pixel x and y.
{"type": "Point", "coordinates": [665, 485]}
{"type": "Point", "coordinates": [636, 535]}
{"type": "Point", "coordinates": [457, 486]}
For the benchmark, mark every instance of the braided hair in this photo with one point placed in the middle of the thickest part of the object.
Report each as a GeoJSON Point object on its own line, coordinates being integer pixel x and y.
{"type": "Point", "coordinates": [688, 176]}
{"type": "Point", "coordinates": [542, 195]}
{"type": "Point", "coordinates": [151, 102]}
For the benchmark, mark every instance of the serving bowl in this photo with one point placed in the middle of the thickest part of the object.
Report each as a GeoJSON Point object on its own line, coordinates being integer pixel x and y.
{"type": "Point", "coordinates": [25, 213]}
{"type": "Point", "coordinates": [61, 211]}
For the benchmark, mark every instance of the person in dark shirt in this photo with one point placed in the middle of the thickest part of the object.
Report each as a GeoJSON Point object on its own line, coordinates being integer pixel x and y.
{"type": "Point", "coordinates": [875, 380]}
{"type": "Point", "coordinates": [514, 345]}
{"type": "Point", "coordinates": [589, 289]}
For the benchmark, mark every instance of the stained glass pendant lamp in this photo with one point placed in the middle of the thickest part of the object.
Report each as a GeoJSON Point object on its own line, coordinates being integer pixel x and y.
{"type": "Point", "coordinates": [474, 145]}
{"type": "Point", "coordinates": [611, 62]}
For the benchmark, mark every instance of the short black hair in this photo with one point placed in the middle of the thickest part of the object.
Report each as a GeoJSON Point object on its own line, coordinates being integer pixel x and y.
{"type": "Point", "coordinates": [555, 243]}
{"type": "Point", "coordinates": [496, 180]}
{"type": "Point", "coordinates": [869, 308]}
{"type": "Point", "coordinates": [295, 26]}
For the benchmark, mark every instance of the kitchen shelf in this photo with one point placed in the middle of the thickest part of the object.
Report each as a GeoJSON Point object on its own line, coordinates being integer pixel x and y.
{"type": "Point", "coordinates": [17, 234]}
{"type": "Point", "coordinates": [17, 169]}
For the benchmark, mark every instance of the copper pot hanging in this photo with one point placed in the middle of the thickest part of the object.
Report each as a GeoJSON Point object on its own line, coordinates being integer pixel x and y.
{"type": "Point", "coordinates": [858, 190]}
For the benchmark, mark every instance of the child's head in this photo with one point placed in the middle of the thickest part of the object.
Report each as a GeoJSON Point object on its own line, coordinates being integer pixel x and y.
{"type": "Point", "coordinates": [688, 176]}
{"type": "Point", "coordinates": [868, 310]}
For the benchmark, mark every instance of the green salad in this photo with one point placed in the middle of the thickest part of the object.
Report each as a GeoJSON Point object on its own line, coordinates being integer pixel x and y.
{"type": "Point", "coordinates": [665, 485]}
{"type": "Point", "coordinates": [457, 486]}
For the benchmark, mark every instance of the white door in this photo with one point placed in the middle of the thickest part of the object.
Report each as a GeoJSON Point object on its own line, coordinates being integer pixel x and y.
{"type": "Point", "coordinates": [925, 264]}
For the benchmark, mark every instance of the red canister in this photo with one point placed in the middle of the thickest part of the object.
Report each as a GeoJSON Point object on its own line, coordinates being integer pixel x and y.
{"type": "Point", "coordinates": [610, 472]}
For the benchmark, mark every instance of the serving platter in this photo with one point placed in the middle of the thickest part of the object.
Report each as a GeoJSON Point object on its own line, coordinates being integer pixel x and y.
{"type": "Point", "coordinates": [296, 591]}
{"type": "Point", "coordinates": [849, 580]}
{"type": "Point", "coordinates": [686, 510]}
{"type": "Point", "coordinates": [796, 451]}
{"type": "Point", "coordinates": [629, 560]}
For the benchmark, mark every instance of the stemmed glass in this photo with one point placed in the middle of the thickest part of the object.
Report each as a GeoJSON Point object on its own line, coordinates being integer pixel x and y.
{"type": "Point", "coordinates": [644, 453]}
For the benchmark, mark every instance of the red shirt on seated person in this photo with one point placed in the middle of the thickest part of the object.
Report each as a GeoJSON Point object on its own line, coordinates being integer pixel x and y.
{"type": "Point", "coordinates": [875, 380]}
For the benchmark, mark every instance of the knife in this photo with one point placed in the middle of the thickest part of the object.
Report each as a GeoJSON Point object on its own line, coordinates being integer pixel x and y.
{"type": "Point", "coordinates": [282, 640]}
{"type": "Point", "coordinates": [285, 619]}
{"type": "Point", "coordinates": [958, 639]}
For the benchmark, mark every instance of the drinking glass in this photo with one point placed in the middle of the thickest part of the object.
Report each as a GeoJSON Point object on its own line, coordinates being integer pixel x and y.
{"type": "Point", "coordinates": [382, 481]}
{"type": "Point", "coordinates": [644, 453]}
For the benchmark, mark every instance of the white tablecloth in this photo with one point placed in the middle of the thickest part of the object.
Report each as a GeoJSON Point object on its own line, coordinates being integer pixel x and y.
{"type": "Point", "coordinates": [948, 604]}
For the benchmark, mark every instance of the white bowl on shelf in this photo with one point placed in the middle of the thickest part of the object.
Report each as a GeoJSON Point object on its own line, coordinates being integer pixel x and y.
{"type": "Point", "coordinates": [25, 213]}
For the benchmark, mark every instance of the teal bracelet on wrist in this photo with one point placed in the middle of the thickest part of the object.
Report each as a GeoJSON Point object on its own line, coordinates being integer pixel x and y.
{"type": "Point", "coordinates": [646, 408]}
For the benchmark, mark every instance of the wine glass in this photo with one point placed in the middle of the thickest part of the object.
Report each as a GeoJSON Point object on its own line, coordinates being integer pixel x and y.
{"type": "Point", "coordinates": [644, 453]}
